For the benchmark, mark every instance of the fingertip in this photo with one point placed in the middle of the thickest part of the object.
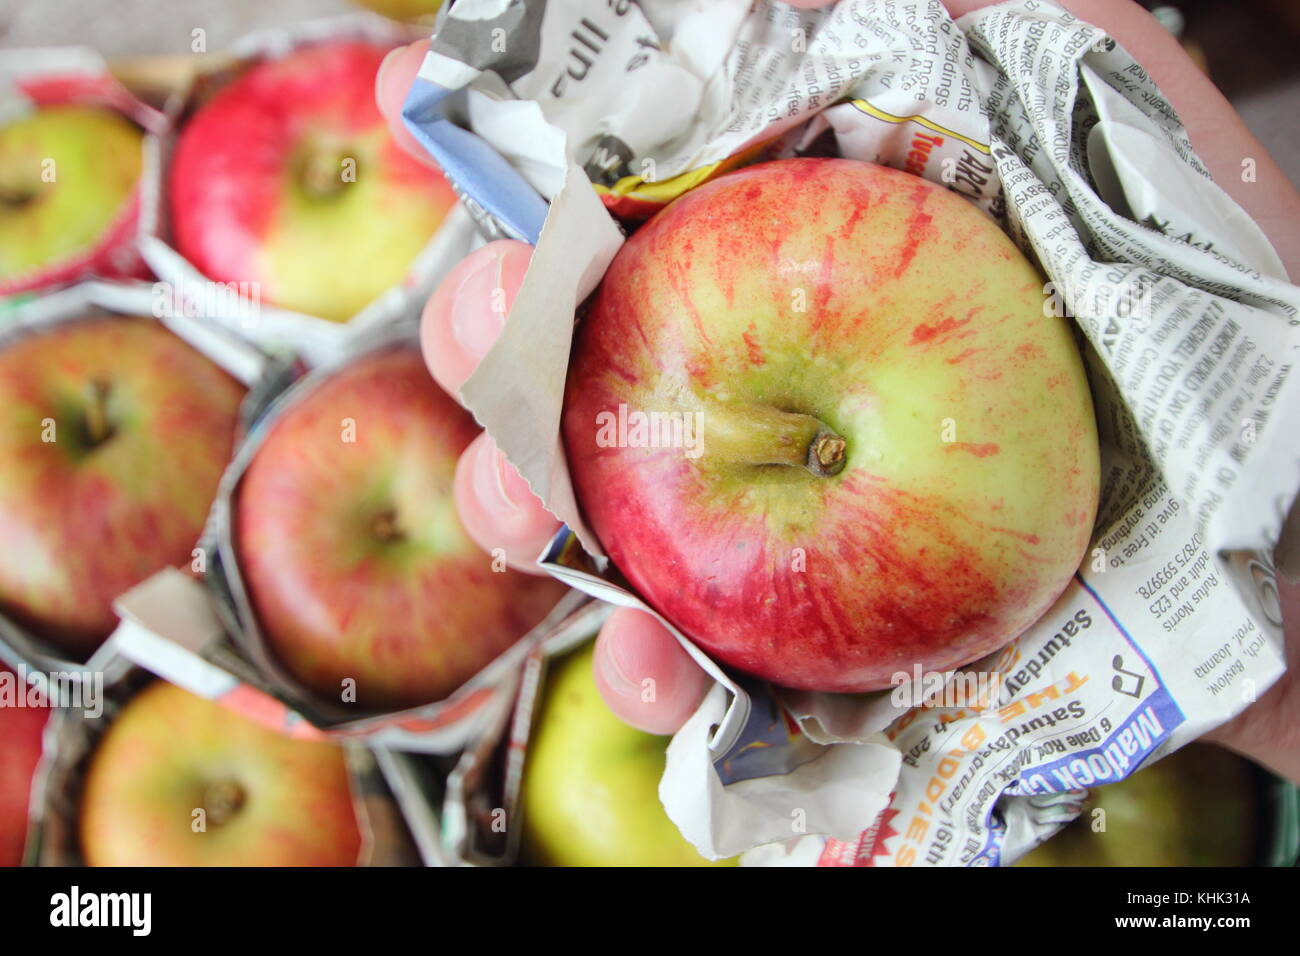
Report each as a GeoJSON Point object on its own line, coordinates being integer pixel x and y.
{"type": "Point", "coordinates": [393, 81]}
{"type": "Point", "coordinates": [467, 311]}
{"type": "Point", "coordinates": [497, 508]}
{"type": "Point", "coordinates": [395, 75]}
{"type": "Point", "coordinates": [644, 675]}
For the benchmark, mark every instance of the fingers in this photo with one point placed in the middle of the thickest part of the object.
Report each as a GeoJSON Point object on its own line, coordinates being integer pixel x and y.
{"type": "Point", "coordinates": [644, 675]}
{"type": "Point", "coordinates": [467, 311]}
{"type": "Point", "coordinates": [461, 321]}
{"type": "Point", "coordinates": [392, 82]}
{"type": "Point", "coordinates": [497, 508]}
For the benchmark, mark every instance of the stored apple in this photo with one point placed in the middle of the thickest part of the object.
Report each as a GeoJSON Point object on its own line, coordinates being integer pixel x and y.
{"type": "Point", "coordinates": [590, 793]}
{"type": "Point", "coordinates": [20, 750]}
{"type": "Point", "coordinates": [66, 173]}
{"type": "Point", "coordinates": [288, 177]}
{"type": "Point", "coordinates": [181, 781]}
{"type": "Point", "coordinates": [885, 454]}
{"type": "Point", "coordinates": [349, 545]}
{"type": "Point", "coordinates": [1196, 807]}
{"type": "Point", "coordinates": [114, 434]}
{"type": "Point", "coordinates": [403, 9]}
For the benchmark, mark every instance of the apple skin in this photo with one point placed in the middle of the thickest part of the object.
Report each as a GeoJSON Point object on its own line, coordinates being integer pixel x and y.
{"type": "Point", "coordinates": [403, 9]}
{"type": "Point", "coordinates": [285, 802]}
{"type": "Point", "coordinates": [590, 793]}
{"type": "Point", "coordinates": [20, 751]}
{"type": "Point", "coordinates": [96, 155]}
{"type": "Point", "coordinates": [352, 552]}
{"type": "Point", "coordinates": [84, 522]}
{"type": "Point", "coordinates": [258, 194]}
{"type": "Point", "coordinates": [1196, 807]}
{"type": "Point", "coordinates": [875, 304]}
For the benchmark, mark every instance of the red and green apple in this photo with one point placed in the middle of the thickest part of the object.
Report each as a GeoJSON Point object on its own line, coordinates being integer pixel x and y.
{"type": "Point", "coordinates": [181, 781]}
{"type": "Point", "coordinates": [818, 417]}
{"type": "Point", "coordinates": [114, 434]}
{"type": "Point", "coordinates": [355, 561]}
{"type": "Point", "coordinates": [288, 177]}
{"type": "Point", "coordinates": [67, 173]}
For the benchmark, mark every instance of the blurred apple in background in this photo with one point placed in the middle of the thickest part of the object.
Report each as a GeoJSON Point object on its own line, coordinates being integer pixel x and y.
{"type": "Point", "coordinates": [1196, 807]}
{"type": "Point", "coordinates": [66, 173]}
{"type": "Point", "coordinates": [20, 751]}
{"type": "Point", "coordinates": [289, 177]}
{"type": "Point", "coordinates": [590, 793]}
{"type": "Point", "coordinates": [113, 433]}
{"type": "Point", "coordinates": [406, 10]}
{"type": "Point", "coordinates": [885, 455]}
{"type": "Point", "coordinates": [351, 549]}
{"type": "Point", "coordinates": [266, 799]}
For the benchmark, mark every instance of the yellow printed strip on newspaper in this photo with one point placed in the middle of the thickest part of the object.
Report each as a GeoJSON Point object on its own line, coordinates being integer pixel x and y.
{"type": "Point", "coordinates": [880, 114]}
{"type": "Point", "coordinates": [637, 187]}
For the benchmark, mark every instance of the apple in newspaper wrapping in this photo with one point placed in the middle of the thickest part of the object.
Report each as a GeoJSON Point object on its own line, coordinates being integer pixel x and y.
{"type": "Point", "coordinates": [1196, 807]}
{"type": "Point", "coordinates": [289, 178]}
{"type": "Point", "coordinates": [590, 793]}
{"type": "Point", "coordinates": [113, 433]}
{"type": "Point", "coordinates": [20, 750]}
{"type": "Point", "coordinates": [349, 544]}
{"type": "Point", "coordinates": [181, 781]}
{"type": "Point", "coordinates": [886, 452]}
{"type": "Point", "coordinates": [66, 175]}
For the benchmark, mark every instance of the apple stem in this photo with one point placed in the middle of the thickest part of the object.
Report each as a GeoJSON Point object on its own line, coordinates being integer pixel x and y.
{"type": "Point", "coordinates": [826, 456]}
{"type": "Point", "coordinates": [98, 428]}
{"type": "Point", "coordinates": [222, 800]}
{"type": "Point", "coordinates": [15, 197]}
{"type": "Point", "coordinates": [763, 435]}
{"type": "Point", "coordinates": [384, 526]}
{"type": "Point", "coordinates": [321, 174]}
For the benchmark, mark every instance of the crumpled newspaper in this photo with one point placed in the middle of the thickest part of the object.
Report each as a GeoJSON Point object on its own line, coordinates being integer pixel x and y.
{"type": "Point", "coordinates": [1171, 625]}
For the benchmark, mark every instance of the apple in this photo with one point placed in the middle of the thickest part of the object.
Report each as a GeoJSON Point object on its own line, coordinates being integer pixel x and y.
{"type": "Point", "coordinates": [20, 750]}
{"type": "Point", "coordinates": [1196, 807]}
{"type": "Point", "coordinates": [590, 793]}
{"type": "Point", "coordinates": [114, 434]}
{"type": "Point", "coordinates": [288, 177]}
{"type": "Point", "coordinates": [66, 175]}
{"type": "Point", "coordinates": [884, 453]}
{"type": "Point", "coordinates": [350, 548]}
{"type": "Point", "coordinates": [266, 799]}
{"type": "Point", "coordinates": [403, 9]}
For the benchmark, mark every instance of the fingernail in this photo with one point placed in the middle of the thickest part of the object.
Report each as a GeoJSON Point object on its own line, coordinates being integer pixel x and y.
{"type": "Point", "coordinates": [502, 490]}
{"type": "Point", "coordinates": [617, 663]}
{"type": "Point", "coordinates": [478, 310]}
{"type": "Point", "coordinates": [379, 75]}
